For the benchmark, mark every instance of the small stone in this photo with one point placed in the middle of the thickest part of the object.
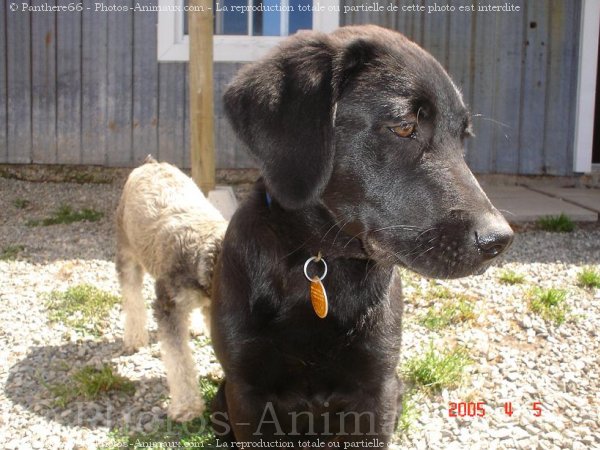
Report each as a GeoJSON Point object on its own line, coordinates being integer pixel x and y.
{"type": "Point", "coordinates": [526, 322]}
{"type": "Point", "coordinates": [434, 437]}
{"type": "Point", "coordinates": [532, 430]}
{"type": "Point", "coordinates": [420, 445]}
{"type": "Point", "coordinates": [554, 437]}
{"type": "Point", "coordinates": [519, 433]}
{"type": "Point", "coordinates": [558, 424]}
{"type": "Point", "coordinates": [512, 376]}
{"type": "Point", "coordinates": [13, 445]}
{"type": "Point", "coordinates": [500, 433]}
{"type": "Point", "coordinates": [588, 439]}
{"type": "Point", "coordinates": [150, 427]}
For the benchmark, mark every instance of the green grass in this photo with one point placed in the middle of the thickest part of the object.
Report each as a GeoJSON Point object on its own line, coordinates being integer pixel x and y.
{"type": "Point", "coordinates": [556, 224]}
{"type": "Point", "coordinates": [550, 304]}
{"type": "Point", "coordinates": [89, 383]}
{"type": "Point", "coordinates": [589, 277]}
{"type": "Point", "coordinates": [82, 307]}
{"type": "Point", "coordinates": [447, 313]}
{"type": "Point", "coordinates": [438, 292]}
{"type": "Point", "coordinates": [448, 308]}
{"type": "Point", "coordinates": [21, 203]}
{"type": "Point", "coordinates": [67, 215]}
{"type": "Point", "coordinates": [508, 276]}
{"type": "Point", "coordinates": [202, 341]}
{"type": "Point", "coordinates": [10, 252]}
{"type": "Point", "coordinates": [194, 434]}
{"type": "Point", "coordinates": [435, 370]}
{"type": "Point", "coordinates": [408, 413]}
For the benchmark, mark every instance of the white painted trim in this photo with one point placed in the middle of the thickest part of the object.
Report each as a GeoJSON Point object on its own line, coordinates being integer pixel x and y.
{"type": "Point", "coordinates": [243, 48]}
{"type": "Point", "coordinates": [586, 86]}
{"type": "Point", "coordinates": [250, 20]}
{"type": "Point", "coordinates": [173, 45]}
{"type": "Point", "coordinates": [328, 19]}
{"type": "Point", "coordinates": [284, 19]}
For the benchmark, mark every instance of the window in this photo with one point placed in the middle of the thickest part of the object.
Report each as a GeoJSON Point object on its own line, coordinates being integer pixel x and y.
{"type": "Point", "coordinates": [244, 29]}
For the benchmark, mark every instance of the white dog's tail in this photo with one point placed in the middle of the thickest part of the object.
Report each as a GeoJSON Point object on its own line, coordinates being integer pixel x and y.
{"type": "Point", "coordinates": [149, 159]}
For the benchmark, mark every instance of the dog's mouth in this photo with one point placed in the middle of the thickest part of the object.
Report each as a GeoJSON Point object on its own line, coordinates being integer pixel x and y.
{"type": "Point", "coordinates": [431, 253]}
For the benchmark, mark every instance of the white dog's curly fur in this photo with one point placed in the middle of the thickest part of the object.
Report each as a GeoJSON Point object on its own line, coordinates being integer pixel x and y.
{"type": "Point", "coordinates": [166, 227]}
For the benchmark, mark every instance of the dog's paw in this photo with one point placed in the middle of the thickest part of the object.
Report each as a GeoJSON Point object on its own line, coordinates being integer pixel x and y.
{"type": "Point", "coordinates": [186, 410]}
{"type": "Point", "coordinates": [132, 342]}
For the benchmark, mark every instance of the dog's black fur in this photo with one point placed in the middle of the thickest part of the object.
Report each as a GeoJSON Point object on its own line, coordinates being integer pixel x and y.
{"type": "Point", "coordinates": [320, 115]}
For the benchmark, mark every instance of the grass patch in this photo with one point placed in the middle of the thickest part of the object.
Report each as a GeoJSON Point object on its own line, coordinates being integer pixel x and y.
{"type": "Point", "coordinates": [409, 279]}
{"type": "Point", "coordinates": [90, 383]}
{"type": "Point", "coordinates": [10, 252]}
{"type": "Point", "coordinates": [202, 340]}
{"type": "Point", "coordinates": [67, 215]}
{"type": "Point", "coordinates": [408, 414]}
{"type": "Point", "coordinates": [448, 308]}
{"type": "Point", "coordinates": [589, 278]}
{"type": "Point", "coordinates": [508, 276]}
{"type": "Point", "coordinates": [83, 307]}
{"type": "Point", "coordinates": [439, 292]}
{"type": "Point", "coordinates": [194, 434]}
{"type": "Point", "coordinates": [21, 203]}
{"type": "Point", "coordinates": [436, 370]}
{"type": "Point", "coordinates": [447, 313]}
{"type": "Point", "coordinates": [556, 224]}
{"type": "Point", "coordinates": [550, 304]}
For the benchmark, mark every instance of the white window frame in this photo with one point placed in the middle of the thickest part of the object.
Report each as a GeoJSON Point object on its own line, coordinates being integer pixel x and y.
{"type": "Point", "coordinates": [586, 87]}
{"type": "Point", "coordinates": [173, 45]}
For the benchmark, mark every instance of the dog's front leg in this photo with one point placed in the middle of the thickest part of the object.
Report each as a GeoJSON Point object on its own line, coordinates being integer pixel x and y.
{"type": "Point", "coordinates": [172, 311]}
{"type": "Point", "coordinates": [131, 278]}
{"type": "Point", "coordinates": [251, 417]}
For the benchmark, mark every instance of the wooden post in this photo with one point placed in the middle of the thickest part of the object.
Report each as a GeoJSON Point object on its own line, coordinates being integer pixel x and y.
{"type": "Point", "coordinates": [200, 28]}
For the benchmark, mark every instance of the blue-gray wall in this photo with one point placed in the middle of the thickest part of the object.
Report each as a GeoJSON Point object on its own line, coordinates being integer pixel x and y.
{"type": "Point", "coordinates": [86, 88]}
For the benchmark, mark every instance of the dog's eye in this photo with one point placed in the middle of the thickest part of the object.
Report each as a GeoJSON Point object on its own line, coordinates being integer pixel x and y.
{"type": "Point", "coordinates": [405, 130]}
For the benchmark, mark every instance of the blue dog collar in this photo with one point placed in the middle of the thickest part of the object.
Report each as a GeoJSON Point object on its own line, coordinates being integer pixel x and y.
{"type": "Point", "coordinates": [268, 199]}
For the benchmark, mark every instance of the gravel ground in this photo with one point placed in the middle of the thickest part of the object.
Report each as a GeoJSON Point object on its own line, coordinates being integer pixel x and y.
{"type": "Point", "coordinates": [518, 357]}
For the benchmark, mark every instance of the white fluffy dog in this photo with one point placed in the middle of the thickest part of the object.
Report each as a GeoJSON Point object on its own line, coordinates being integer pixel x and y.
{"type": "Point", "coordinates": [166, 227]}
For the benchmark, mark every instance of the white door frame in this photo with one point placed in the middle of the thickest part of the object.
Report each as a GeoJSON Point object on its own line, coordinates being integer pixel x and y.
{"type": "Point", "coordinates": [586, 86]}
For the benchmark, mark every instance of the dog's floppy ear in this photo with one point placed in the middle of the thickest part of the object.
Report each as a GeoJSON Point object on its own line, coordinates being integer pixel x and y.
{"type": "Point", "coordinates": [351, 60]}
{"type": "Point", "coordinates": [281, 108]}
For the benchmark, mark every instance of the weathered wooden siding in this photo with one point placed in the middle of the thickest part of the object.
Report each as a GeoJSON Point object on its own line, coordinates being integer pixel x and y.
{"type": "Point", "coordinates": [517, 71]}
{"type": "Point", "coordinates": [86, 88]}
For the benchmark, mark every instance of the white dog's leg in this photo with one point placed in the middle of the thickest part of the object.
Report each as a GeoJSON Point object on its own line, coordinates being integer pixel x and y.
{"type": "Point", "coordinates": [131, 277]}
{"type": "Point", "coordinates": [206, 317]}
{"type": "Point", "coordinates": [200, 316]}
{"type": "Point", "coordinates": [173, 316]}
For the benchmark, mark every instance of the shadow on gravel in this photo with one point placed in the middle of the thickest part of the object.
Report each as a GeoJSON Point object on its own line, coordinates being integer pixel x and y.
{"type": "Point", "coordinates": [32, 385]}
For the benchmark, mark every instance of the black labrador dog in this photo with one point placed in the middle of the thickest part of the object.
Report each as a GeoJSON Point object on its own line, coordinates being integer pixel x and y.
{"type": "Point", "coordinates": [360, 138]}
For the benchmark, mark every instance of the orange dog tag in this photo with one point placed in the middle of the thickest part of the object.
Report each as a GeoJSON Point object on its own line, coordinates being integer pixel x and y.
{"type": "Point", "coordinates": [318, 298]}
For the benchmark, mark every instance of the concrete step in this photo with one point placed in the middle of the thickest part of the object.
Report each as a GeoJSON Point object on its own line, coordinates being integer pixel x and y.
{"type": "Point", "coordinates": [523, 204]}
{"type": "Point", "coordinates": [517, 203]}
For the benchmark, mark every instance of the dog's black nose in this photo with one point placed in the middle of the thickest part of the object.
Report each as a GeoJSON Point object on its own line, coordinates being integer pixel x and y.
{"type": "Point", "coordinates": [492, 243]}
